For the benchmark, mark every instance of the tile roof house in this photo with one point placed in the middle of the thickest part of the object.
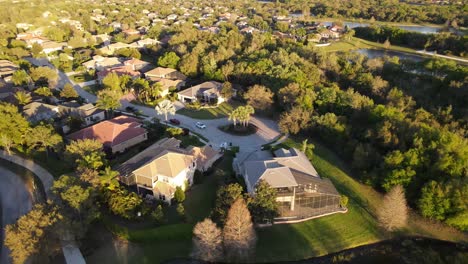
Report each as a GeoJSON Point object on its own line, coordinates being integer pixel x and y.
{"type": "Point", "coordinates": [120, 70]}
{"type": "Point", "coordinates": [159, 169]}
{"type": "Point", "coordinates": [166, 73]}
{"type": "Point", "coordinates": [207, 92]}
{"type": "Point", "coordinates": [137, 65]}
{"type": "Point", "coordinates": [100, 63]}
{"type": "Point", "coordinates": [7, 68]}
{"type": "Point", "coordinates": [117, 134]}
{"type": "Point", "coordinates": [51, 46]}
{"type": "Point", "coordinates": [301, 192]}
{"type": "Point", "coordinates": [112, 48]}
{"type": "Point", "coordinates": [37, 111]}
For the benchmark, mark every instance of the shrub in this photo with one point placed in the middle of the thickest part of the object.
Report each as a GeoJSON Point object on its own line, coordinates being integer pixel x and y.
{"type": "Point", "coordinates": [179, 195]}
{"type": "Point", "coordinates": [174, 131]}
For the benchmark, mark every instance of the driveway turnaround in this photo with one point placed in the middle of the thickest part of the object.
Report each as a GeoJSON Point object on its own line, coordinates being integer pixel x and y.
{"type": "Point", "coordinates": [267, 129]}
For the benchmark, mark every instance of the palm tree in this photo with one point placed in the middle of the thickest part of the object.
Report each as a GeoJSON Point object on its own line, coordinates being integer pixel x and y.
{"type": "Point", "coordinates": [109, 177]}
{"type": "Point", "coordinates": [44, 91]}
{"type": "Point", "coordinates": [234, 116]}
{"type": "Point", "coordinates": [23, 97]}
{"type": "Point", "coordinates": [249, 111]}
{"type": "Point", "coordinates": [20, 77]}
{"type": "Point", "coordinates": [108, 100]}
{"type": "Point", "coordinates": [165, 107]}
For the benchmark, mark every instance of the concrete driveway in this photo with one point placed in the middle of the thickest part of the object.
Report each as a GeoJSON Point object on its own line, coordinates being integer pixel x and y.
{"type": "Point", "coordinates": [267, 129]}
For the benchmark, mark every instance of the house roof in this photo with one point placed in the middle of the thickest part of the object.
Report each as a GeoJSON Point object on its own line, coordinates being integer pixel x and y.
{"type": "Point", "coordinates": [206, 87]}
{"type": "Point", "coordinates": [119, 70]}
{"type": "Point", "coordinates": [168, 163]}
{"type": "Point", "coordinates": [134, 61]}
{"type": "Point", "coordinates": [166, 83]}
{"type": "Point", "coordinates": [160, 71]}
{"type": "Point", "coordinates": [111, 132]}
{"type": "Point", "coordinates": [288, 168]}
{"type": "Point", "coordinates": [203, 155]}
{"type": "Point", "coordinates": [7, 67]}
{"type": "Point", "coordinates": [39, 111]}
{"type": "Point", "coordinates": [163, 188]}
{"type": "Point", "coordinates": [147, 155]}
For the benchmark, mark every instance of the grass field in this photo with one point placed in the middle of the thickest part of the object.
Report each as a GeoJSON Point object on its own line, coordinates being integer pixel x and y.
{"type": "Point", "coordinates": [357, 43]}
{"type": "Point", "coordinates": [287, 241]}
{"type": "Point", "coordinates": [81, 77]}
{"type": "Point", "coordinates": [326, 234]}
{"type": "Point", "coordinates": [158, 244]}
{"type": "Point", "coordinates": [92, 89]}
{"type": "Point", "coordinates": [223, 110]}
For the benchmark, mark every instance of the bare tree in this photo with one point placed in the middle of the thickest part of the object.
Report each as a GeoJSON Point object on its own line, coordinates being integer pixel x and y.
{"type": "Point", "coordinates": [207, 241]}
{"type": "Point", "coordinates": [393, 214]}
{"type": "Point", "coordinates": [239, 233]}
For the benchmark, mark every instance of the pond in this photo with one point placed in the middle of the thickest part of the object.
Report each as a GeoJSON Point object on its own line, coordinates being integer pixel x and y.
{"type": "Point", "coordinates": [414, 28]}
{"type": "Point", "coordinates": [19, 190]}
{"type": "Point", "coordinates": [376, 53]}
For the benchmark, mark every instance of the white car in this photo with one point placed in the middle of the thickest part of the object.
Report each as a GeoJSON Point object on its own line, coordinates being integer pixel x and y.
{"type": "Point", "coordinates": [200, 125]}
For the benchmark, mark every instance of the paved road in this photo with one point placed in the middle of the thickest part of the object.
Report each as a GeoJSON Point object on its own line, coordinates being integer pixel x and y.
{"type": "Point", "coordinates": [267, 129]}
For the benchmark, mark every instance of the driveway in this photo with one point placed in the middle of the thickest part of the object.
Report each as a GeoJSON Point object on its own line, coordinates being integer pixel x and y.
{"type": "Point", "coordinates": [267, 129]}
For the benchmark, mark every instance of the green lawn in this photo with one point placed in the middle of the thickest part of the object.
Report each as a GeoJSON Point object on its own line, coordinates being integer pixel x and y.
{"type": "Point", "coordinates": [158, 244]}
{"type": "Point", "coordinates": [81, 77]}
{"type": "Point", "coordinates": [92, 89]}
{"type": "Point", "coordinates": [326, 234]}
{"type": "Point", "coordinates": [223, 110]}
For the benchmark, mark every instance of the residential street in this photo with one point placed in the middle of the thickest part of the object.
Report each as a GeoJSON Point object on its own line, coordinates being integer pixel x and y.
{"type": "Point", "coordinates": [267, 129]}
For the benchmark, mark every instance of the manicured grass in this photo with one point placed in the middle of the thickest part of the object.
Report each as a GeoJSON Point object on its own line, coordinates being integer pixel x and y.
{"type": "Point", "coordinates": [82, 77]}
{"type": "Point", "coordinates": [223, 110]}
{"type": "Point", "coordinates": [190, 140]}
{"type": "Point", "coordinates": [159, 244]}
{"type": "Point", "coordinates": [318, 236]}
{"type": "Point", "coordinates": [327, 234]}
{"type": "Point", "coordinates": [92, 89]}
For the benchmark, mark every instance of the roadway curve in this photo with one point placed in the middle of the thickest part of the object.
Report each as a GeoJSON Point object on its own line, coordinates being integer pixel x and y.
{"type": "Point", "coordinates": [268, 129]}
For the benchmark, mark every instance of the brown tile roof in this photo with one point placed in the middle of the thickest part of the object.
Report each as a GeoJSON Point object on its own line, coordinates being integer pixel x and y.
{"type": "Point", "coordinates": [111, 132]}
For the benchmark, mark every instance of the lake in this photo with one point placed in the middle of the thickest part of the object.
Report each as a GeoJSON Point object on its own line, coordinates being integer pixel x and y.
{"type": "Point", "coordinates": [376, 53]}
{"type": "Point", "coordinates": [19, 190]}
{"type": "Point", "coordinates": [420, 29]}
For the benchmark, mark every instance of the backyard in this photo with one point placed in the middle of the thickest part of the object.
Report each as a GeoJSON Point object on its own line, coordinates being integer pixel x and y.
{"type": "Point", "coordinates": [279, 242]}
{"type": "Point", "coordinates": [223, 110]}
{"type": "Point", "coordinates": [158, 244]}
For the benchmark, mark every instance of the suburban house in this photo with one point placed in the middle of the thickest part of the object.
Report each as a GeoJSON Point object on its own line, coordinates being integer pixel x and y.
{"type": "Point", "coordinates": [301, 192]}
{"type": "Point", "coordinates": [90, 113]}
{"type": "Point", "coordinates": [142, 43]}
{"type": "Point", "coordinates": [101, 38]}
{"type": "Point", "coordinates": [117, 134]}
{"type": "Point", "coordinates": [100, 63]}
{"type": "Point", "coordinates": [167, 84]}
{"type": "Point", "coordinates": [51, 46]}
{"type": "Point", "coordinates": [37, 111]}
{"type": "Point", "coordinates": [161, 168]}
{"type": "Point", "coordinates": [137, 65]}
{"type": "Point", "coordinates": [7, 68]}
{"type": "Point", "coordinates": [31, 38]}
{"type": "Point", "coordinates": [120, 70]}
{"type": "Point", "coordinates": [205, 92]}
{"type": "Point", "coordinates": [165, 73]}
{"type": "Point", "coordinates": [111, 48]}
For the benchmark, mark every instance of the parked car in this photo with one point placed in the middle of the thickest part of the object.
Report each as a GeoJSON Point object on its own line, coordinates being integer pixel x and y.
{"type": "Point", "coordinates": [200, 125]}
{"type": "Point", "coordinates": [174, 121]}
